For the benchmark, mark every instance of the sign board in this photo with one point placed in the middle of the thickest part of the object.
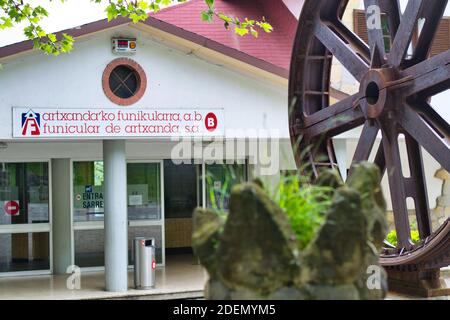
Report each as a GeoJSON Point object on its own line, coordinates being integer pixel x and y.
{"type": "Point", "coordinates": [89, 198]}
{"type": "Point", "coordinates": [138, 193]}
{"type": "Point", "coordinates": [11, 208]}
{"type": "Point", "coordinates": [135, 200]}
{"type": "Point", "coordinates": [116, 123]}
{"type": "Point", "coordinates": [124, 45]}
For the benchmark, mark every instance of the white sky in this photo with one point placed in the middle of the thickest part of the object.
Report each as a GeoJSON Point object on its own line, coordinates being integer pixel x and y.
{"type": "Point", "coordinates": [69, 14]}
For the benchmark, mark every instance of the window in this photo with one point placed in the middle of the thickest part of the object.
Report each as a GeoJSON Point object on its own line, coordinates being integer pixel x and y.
{"type": "Point", "coordinates": [182, 194]}
{"type": "Point", "coordinates": [24, 205]}
{"type": "Point", "coordinates": [24, 251]}
{"type": "Point", "coordinates": [360, 26]}
{"type": "Point", "coordinates": [24, 193]}
{"type": "Point", "coordinates": [88, 191]}
{"type": "Point", "coordinates": [144, 200]}
{"type": "Point", "coordinates": [124, 81]}
{"type": "Point", "coordinates": [144, 191]}
{"type": "Point", "coordinates": [441, 42]}
{"type": "Point", "coordinates": [386, 33]}
{"type": "Point", "coordinates": [182, 189]}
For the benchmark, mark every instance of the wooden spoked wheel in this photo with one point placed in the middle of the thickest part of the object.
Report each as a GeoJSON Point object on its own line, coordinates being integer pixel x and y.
{"type": "Point", "coordinates": [394, 98]}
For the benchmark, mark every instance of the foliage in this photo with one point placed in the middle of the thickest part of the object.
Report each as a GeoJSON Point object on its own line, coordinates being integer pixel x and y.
{"type": "Point", "coordinates": [13, 12]}
{"type": "Point", "coordinates": [392, 237]}
{"type": "Point", "coordinates": [305, 205]}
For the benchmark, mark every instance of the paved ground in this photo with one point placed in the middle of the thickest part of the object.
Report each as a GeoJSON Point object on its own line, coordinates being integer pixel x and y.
{"type": "Point", "coordinates": [181, 278]}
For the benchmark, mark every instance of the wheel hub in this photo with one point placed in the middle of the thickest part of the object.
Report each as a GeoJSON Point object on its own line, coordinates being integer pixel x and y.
{"type": "Point", "coordinates": [375, 91]}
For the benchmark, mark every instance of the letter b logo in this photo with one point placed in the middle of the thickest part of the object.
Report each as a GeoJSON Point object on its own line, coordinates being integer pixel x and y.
{"type": "Point", "coordinates": [211, 122]}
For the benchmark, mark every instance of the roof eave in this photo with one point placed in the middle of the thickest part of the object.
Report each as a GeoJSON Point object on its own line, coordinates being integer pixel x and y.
{"type": "Point", "coordinates": [101, 25]}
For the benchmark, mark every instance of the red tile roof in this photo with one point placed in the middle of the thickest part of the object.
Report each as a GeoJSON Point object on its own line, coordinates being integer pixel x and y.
{"type": "Point", "coordinates": [274, 48]}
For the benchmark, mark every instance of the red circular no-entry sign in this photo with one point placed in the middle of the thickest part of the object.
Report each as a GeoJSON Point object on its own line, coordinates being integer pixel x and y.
{"type": "Point", "coordinates": [11, 208]}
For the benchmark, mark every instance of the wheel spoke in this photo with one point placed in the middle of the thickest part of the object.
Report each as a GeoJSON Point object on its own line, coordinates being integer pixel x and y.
{"type": "Point", "coordinates": [396, 183]}
{"type": "Point", "coordinates": [433, 12]}
{"type": "Point", "coordinates": [375, 34]}
{"type": "Point", "coordinates": [430, 77]}
{"type": "Point", "coordinates": [358, 45]}
{"type": "Point", "coordinates": [433, 118]}
{"type": "Point", "coordinates": [342, 51]}
{"type": "Point", "coordinates": [331, 111]}
{"type": "Point", "coordinates": [380, 160]}
{"type": "Point", "coordinates": [405, 31]}
{"type": "Point", "coordinates": [366, 142]}
{"type": "Point", "coordinates": [331, 121]}
{"type": "Point", "coordinates": [416, 186]}
{"type": "Point", "coordinates": [435, 142]}
{"type": "Point", "coordinates": [332, 127]}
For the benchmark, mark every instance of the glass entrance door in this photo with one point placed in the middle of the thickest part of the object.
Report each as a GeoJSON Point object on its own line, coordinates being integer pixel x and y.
{"type": "Point", "coordinates": [145, 205]}
{"type": "Point", "coordinates": [88, 214]}
{"type": "Point", "coordinates": [145, 209]}
{"type": "Point", "coordinates": [24, 218]}
{"type": "Point", "coordinates": [182, 194]}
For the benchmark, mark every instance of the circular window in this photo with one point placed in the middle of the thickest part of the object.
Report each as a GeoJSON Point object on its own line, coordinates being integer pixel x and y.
{"type": "Point", "coordinates": [124, 81]}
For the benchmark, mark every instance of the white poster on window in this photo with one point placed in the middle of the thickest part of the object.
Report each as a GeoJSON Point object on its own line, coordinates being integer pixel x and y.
{"type": "Point", "coordinates": [38, 212]}
{"type": "Point", "coordinates": [33, 123]}
{"type": "Point", "coordinates": [135, 200]}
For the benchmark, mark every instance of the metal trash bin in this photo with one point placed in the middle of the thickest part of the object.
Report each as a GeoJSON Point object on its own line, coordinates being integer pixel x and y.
{"type": "Point", "coordinates": [144, 263]}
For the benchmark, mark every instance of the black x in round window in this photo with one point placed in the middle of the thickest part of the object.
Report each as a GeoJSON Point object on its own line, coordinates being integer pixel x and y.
{"type": "Point", "coordinates": [124, 81]}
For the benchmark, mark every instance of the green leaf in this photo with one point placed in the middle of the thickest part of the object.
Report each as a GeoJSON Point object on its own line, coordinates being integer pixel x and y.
{"type": "Point", "coordinates": [210, 3]}
{"type": "Point", "coordinates": [225, 18]}
{"type": "Point", "coordinates": [51, 37]}
{"type": "Point", "coordinates": [111, 12]}
{"type": "Point", "coordinates": [143, 5]}
{"type": "Point", "coordinates": [241, 31]}
{"type": "Point", "coordinates": [267, 27]}
{"type": "Point", "coordinates": [207, 16]}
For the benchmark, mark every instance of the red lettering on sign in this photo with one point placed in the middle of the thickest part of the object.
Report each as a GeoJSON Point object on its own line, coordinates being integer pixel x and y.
{"type": "Point", "coordinates": [32, 126]}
